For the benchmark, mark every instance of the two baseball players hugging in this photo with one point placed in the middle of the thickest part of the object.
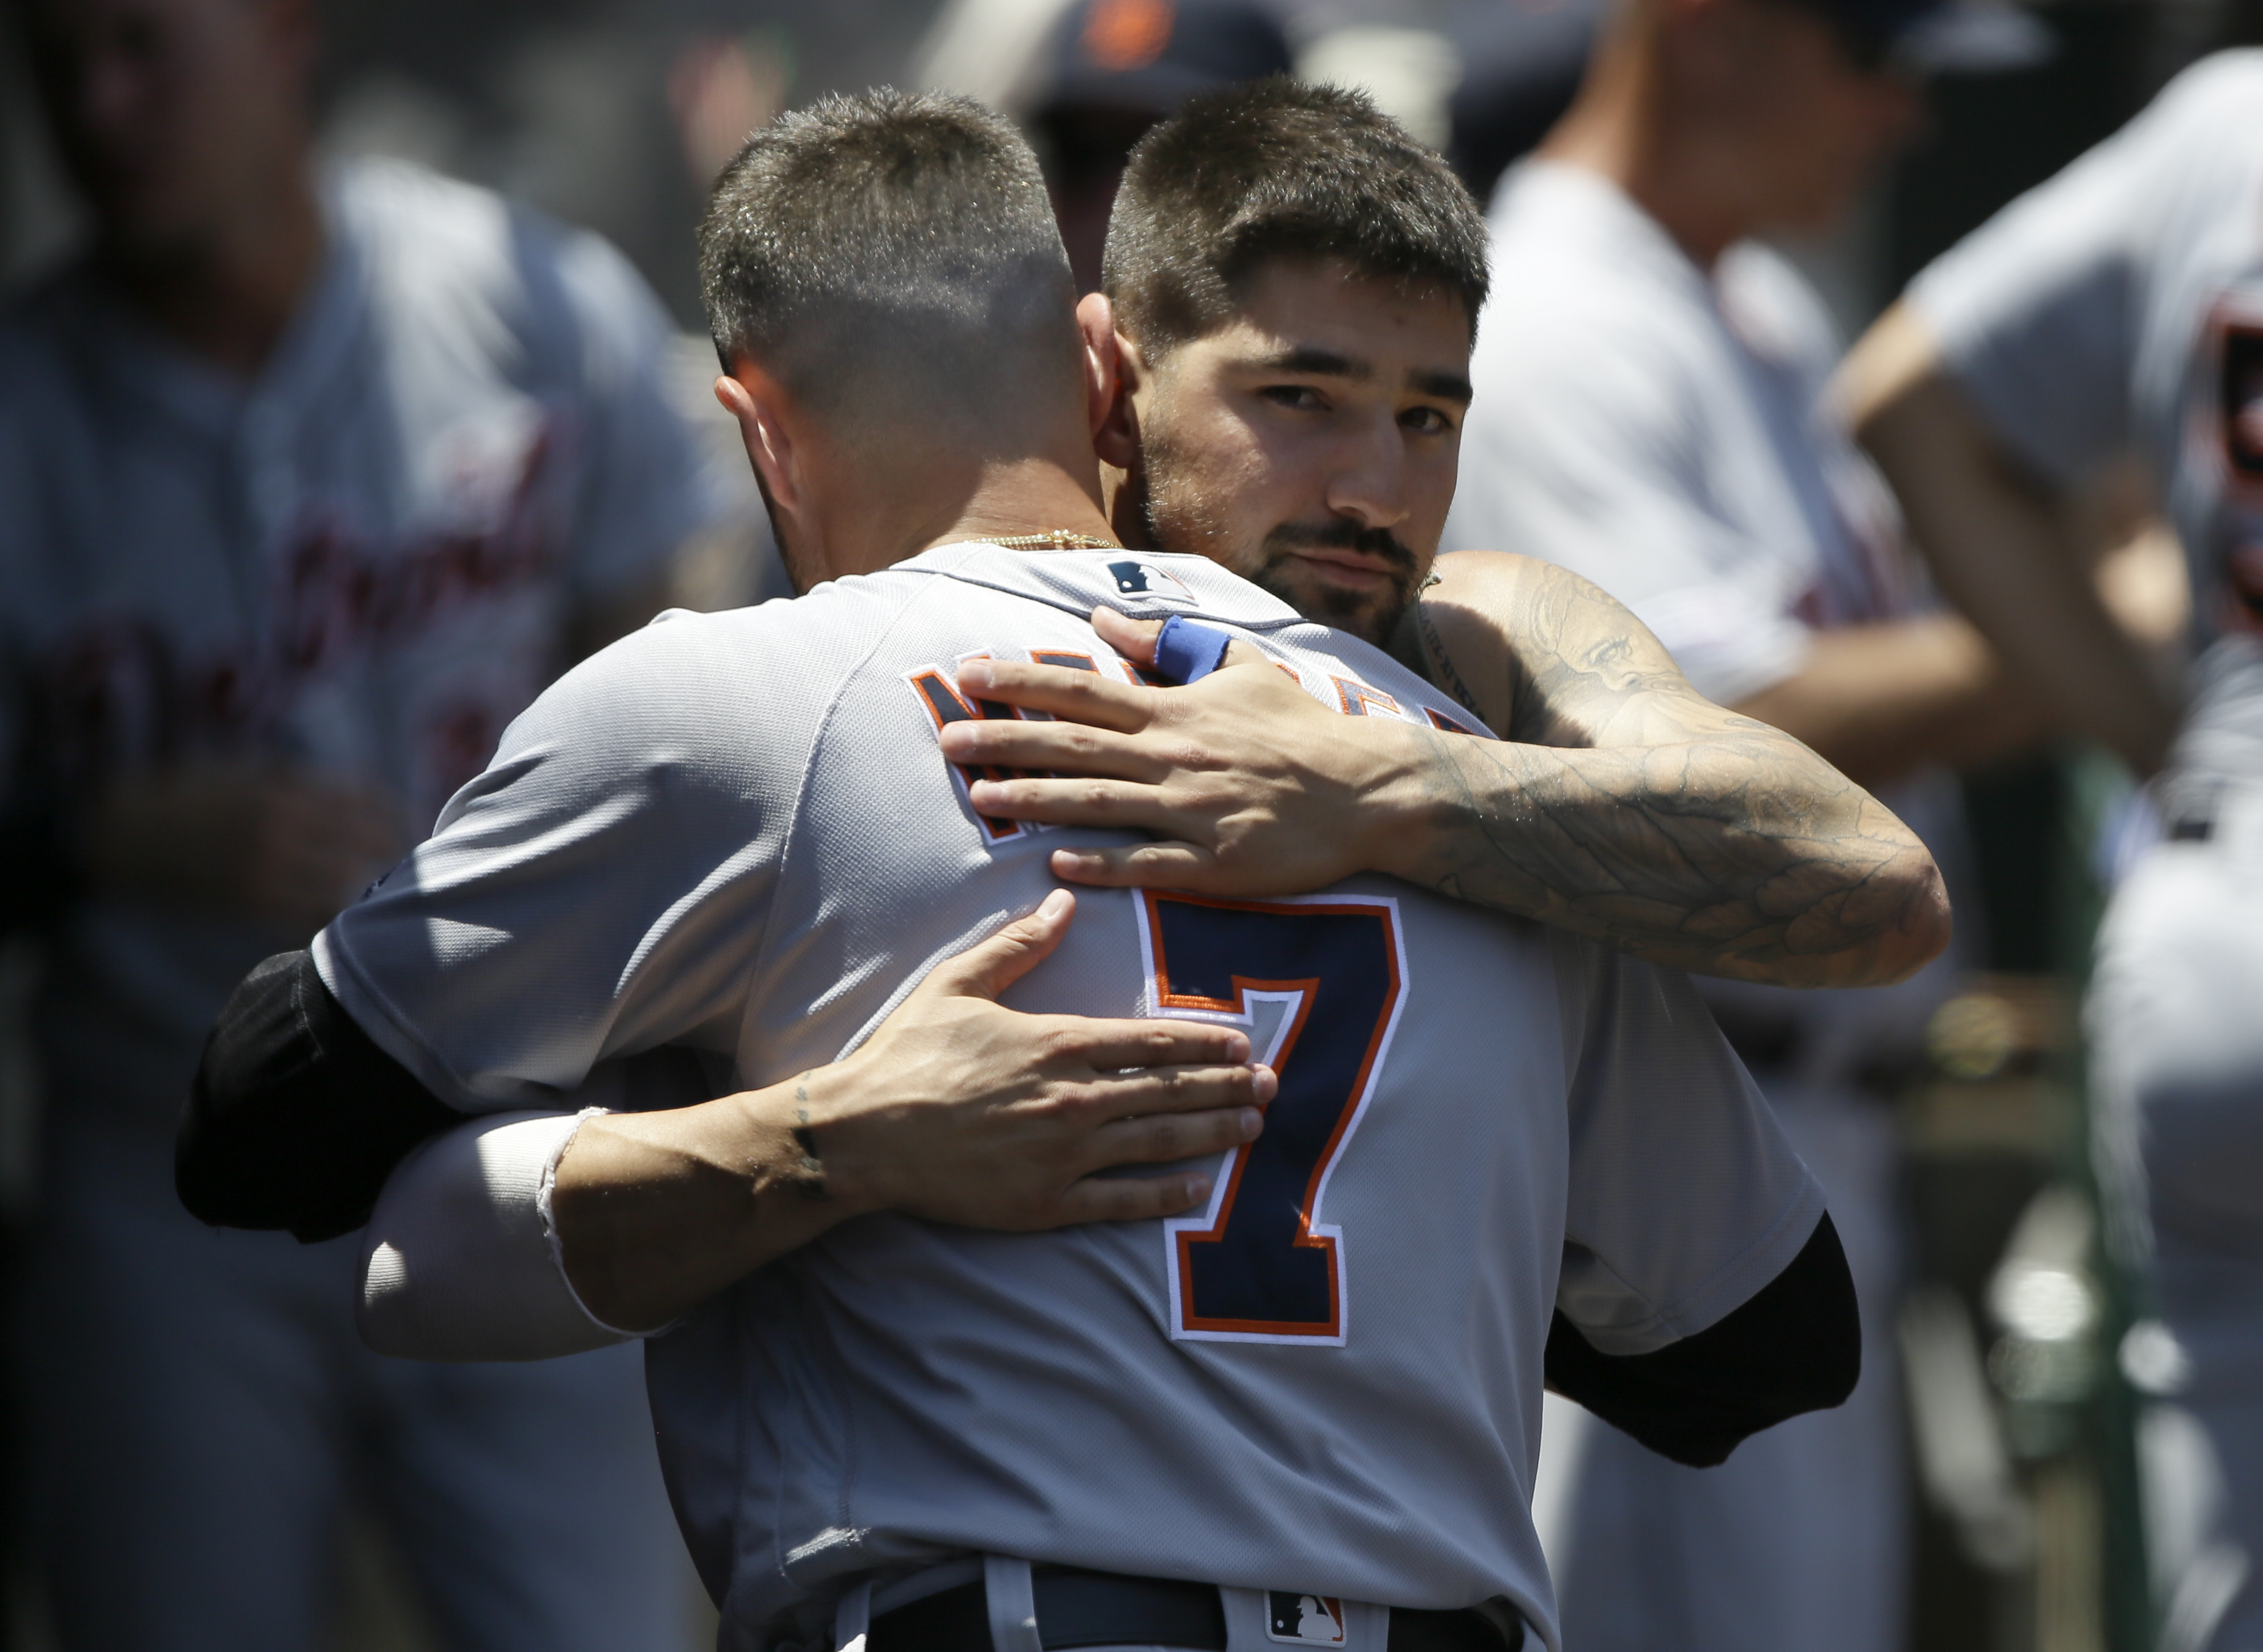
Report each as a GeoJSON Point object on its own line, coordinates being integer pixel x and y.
{"type": "Point", "coordinates": [1203, 1296]}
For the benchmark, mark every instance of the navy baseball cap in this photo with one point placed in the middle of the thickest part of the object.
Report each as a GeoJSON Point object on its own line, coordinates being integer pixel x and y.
{"type": "Point", "coordinates": [1150, 56]}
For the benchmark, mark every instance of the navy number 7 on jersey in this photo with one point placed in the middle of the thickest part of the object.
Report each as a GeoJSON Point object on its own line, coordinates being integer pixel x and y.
{"type": "Point", "coordinates": [1259, 1266]}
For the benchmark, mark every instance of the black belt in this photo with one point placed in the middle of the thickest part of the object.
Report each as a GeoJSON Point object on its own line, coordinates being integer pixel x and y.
{"type": "Point", "coordinates": [1078, 1608]}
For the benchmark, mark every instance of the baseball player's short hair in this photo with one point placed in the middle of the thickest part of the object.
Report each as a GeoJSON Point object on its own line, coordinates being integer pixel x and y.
{"type": "Point", "coordinates": [1276, 169]}
{"type": "Point", "coordinates": [893, 247]}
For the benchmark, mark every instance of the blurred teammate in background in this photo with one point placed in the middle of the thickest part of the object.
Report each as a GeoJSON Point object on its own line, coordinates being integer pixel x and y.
{"type": "Point", "coordinates": [1648, 413]}
{"type": "Point", "coordinates": [2121, 304]}
{"type": "Point", "coordinates": [307, 488]}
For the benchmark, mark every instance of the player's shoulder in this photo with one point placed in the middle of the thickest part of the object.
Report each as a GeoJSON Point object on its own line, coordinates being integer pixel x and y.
{"type": "Point", "coordinates": [2224, 86]}
{"type": "Point", "coordinates": [718, 686]}
{"type": "Point", "coordinates": [2201, 131]}
{"type": "Point", "coordinates": [1602, 994]}
{"type": "Point", "coordinates": [817, 637]}
{"type": "Point", "coordinates": [1502, 582]}
{"type": "Point", "coordinates": [1491, 588]}
{"type": "Point", "coordinates": [1479, 602]}
{"type": "Point", "coordinates": [1501, 618]}
{"type": "Point", "coordinates": [1143, 584]}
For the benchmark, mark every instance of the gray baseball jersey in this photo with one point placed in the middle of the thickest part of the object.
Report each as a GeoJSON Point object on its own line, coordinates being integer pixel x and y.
{"type": "Point", "coordinates": [360, 562]}
{"type": "Point", "coordinates": [735, 833]}
{"type": "Point", "coordinates": [2120, 303]}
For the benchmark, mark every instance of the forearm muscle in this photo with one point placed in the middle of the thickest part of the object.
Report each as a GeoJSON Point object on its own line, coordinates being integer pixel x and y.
{"type": "Point", "coordinates": [1726, 855]}
{"type": "Point", "coordinates": [1626, 806]}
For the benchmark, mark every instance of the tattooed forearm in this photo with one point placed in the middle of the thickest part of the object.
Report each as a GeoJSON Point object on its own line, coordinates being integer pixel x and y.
{"type": "Point", "coordinates": [1714, 856]}
{"type": "Point", "coordinates": [1622, 804]}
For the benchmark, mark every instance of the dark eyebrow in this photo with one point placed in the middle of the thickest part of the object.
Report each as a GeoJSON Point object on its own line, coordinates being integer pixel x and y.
{"type": "Point", "coordinates": [1328, 364]}
{"type": "Point", "coordinates": [1311, 358]}
{"type": "Point", "coordinates": [1445, 386]}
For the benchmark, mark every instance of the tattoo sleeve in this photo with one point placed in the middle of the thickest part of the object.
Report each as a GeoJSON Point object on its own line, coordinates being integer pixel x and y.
{"type": "Point", "coordinates": [1625, 807]}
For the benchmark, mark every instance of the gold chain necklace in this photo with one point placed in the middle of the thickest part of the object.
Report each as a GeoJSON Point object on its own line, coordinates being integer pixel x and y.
{"type": "Point", "coordinates": [1056, 539]}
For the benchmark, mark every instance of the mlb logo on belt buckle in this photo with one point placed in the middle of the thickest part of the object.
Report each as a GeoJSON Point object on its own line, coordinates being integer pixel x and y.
{"type": "Point", "coordinates": [1297, 1620]}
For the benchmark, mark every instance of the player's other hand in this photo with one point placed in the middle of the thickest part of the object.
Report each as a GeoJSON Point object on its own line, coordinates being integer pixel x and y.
{"type": "Point", "coordinates": [1249, 785]}
{"type": "Point", "coordinates": [960, 1110]}
{"type": "Point", "coordinates": [282, 849]}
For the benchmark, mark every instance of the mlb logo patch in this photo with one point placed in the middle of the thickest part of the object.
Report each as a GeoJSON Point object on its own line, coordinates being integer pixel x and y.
{"type": "Point", "coordinates": [1295, 1620]}
{"type": "Point", "coordinates": [1145, 579]}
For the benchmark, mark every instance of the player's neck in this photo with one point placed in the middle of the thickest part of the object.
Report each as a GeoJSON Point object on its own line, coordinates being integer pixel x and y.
{"type": "Point", "coordinates": [229, 293]}
{"type": "Point", "coordinates": [1017, 498]}
{"type": "Point", "coordinates": [1689, 179]}
{"type": "Point", "coordinates": [860, 519]}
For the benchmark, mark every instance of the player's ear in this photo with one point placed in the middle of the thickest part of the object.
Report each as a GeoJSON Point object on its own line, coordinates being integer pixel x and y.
{"type": "Point", "coordinates": [1112, 372]}
{"type": "Point", "coordinates": [755, 399]}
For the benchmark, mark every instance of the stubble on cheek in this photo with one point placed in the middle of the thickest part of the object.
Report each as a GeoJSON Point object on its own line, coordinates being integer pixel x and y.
{"type": "Point", "coordinates": [1180, 506]}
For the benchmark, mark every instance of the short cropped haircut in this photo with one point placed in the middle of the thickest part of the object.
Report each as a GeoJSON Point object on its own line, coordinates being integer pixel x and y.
{"type": "Point", "coordinates": [1279, 169]}
{"type": "Point", "coordinates": [891, 244]}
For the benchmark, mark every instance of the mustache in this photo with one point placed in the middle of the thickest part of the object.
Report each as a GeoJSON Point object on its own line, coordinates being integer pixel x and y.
{"type": "Point", "coordinates": [1341, 533]}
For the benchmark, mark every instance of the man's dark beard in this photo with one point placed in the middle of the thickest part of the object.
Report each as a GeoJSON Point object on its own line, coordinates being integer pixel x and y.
{"type": "Point", "coordinates": [1193, 530]}
{"type": "Point", "coordinates": [1374, 619]}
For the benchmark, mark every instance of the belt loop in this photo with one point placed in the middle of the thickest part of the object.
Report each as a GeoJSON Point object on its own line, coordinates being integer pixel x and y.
{"type": "Point", "coordinates": [1013, 1604]}
{"type": "Point", "coordinates": [852, 1618]}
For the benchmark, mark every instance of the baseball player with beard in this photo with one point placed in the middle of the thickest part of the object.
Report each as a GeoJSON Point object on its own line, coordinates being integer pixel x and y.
{"type": "Point", "coordinates": [1268, 410]}
{"type": "Point", "coordinates": [2121, 304]}
{"type": "Point", "coordinates": [1302, 1413]}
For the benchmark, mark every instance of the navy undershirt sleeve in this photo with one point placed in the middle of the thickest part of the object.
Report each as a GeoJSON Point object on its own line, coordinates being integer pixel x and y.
{"type": "Point", "coordinates": [296, 1118]}
{"type": "Point", "coordinates": [1795, 1347]}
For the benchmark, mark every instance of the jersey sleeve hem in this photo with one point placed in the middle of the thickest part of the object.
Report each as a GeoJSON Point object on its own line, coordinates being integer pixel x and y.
{"type": "Point", "coordinates": [390, 1031]}
{"type": "Point", "coordinates": [1730, 1286]}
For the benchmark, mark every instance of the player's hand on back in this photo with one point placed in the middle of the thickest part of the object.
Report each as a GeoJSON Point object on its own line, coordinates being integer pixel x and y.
{"type": "Point", "coordinates": [957, 1109]}
{"type": "Point", "coordinates": [1249, 786]}
{"type": "Point", "coordinates": [285, 849]}
{"type": "Point", "coordinates": [960, 1110]}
